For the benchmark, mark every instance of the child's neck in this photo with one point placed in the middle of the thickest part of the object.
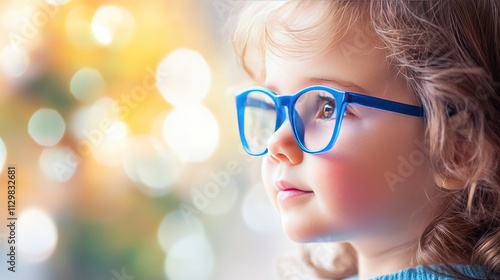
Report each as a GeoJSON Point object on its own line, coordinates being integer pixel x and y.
{"type": "Point", "coordinates": [376, 260]}
{"type": "Point", "coordinates": [392, 249]}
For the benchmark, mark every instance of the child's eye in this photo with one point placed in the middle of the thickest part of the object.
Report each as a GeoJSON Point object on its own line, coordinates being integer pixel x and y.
{"type": "Point", "coordinates": [328, 111]}
{"type": "Point", "coordinates": [326, 107]}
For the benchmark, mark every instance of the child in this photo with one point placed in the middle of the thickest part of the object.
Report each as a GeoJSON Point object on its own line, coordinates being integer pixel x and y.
{"type": "Point", "coordinates": [378, 126]}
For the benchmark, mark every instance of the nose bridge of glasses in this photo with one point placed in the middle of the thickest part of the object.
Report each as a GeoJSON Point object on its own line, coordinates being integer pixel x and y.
{"type": "Point", "coordinates": [282, 105]}
{"type": "Point", "coordinates": [285, 105]}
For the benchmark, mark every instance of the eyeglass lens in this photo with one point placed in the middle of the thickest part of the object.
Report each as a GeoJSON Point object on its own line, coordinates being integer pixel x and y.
{"type": "Point", "coordinates": [314, 115]}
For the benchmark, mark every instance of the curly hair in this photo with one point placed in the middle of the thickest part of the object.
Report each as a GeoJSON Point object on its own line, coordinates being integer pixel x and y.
{"type": "Point", "coordinates": [449, 53]}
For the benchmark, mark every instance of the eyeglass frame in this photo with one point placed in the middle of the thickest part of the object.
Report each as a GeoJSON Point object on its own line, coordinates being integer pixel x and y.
{"type": "Point", "coordinates": [289, 101]}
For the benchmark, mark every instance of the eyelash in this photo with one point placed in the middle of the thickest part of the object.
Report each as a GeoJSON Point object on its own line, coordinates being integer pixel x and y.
{"type": "Point", "coordinates": [327, 98]}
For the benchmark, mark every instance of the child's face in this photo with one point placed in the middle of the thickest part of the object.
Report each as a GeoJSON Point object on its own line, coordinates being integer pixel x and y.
{"type": "Point", "coordinates": [375, 173]}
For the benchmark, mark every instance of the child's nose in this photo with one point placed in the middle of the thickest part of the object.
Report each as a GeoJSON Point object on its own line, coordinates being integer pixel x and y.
{"type": "Point", "coordinates": [282, 146]}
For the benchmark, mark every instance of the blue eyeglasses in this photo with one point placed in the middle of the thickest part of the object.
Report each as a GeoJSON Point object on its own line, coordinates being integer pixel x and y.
{"type": "Point", "coordinates": [315, 115]}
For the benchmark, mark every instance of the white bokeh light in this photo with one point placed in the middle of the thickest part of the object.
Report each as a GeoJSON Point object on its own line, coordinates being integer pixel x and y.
{"type": "Point", "coordinates": [57, 2]}
{"type": "Point", "coordinates": [217, 198]}
{"type": "Point", "coordinates": [14, 61]}
{"type": "Point", "coordinates": [23, 22]}
{"type": "Point", "coordinates": [113, 25]}
{"type": "Point", "coordinates": [192, 132]}
{"type": "Point", "coordinates": [90, 123]}
{"type": "Point", "coordinates": [37, 235]}
{"type": "Point", "coordinates": [183, 77]}
{"type": "Point", "coordinates": [58, 164]}
{"type": "Point", "coordinates": [87, 84]}
{"type": "Point", "coordinates": [3, 155]}
{"type": "Point", "coordinates": [258, 211]}
{"type": "Point", "coordinates": [110, 150]}
{"type": "Point", "coordinates": [14, 16]}
{"type": "Point", "coordinates": [100, 132]}
{"type": "Point", "coordinates": [191, 257]}
{"type": "Point", "coordinates": [177, 224]}
{"type": "Point", "coordinates": [46, 127]}
{"type": "Point", "coordinates": [148, 162]}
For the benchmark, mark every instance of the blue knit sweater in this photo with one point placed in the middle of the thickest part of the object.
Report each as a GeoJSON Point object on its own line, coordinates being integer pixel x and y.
{"type": "Point", "coordinates": [420, 273]}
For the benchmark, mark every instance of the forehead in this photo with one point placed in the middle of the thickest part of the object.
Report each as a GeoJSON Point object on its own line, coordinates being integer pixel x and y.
{"type": "Point", "coordinates": [351, 63]}
{"type": "Point", "coordinates": [291, 29]}
{"type": "Point", "coordinates": [306, 30]}
{"type": "Point", "coordinates": [315, 24]}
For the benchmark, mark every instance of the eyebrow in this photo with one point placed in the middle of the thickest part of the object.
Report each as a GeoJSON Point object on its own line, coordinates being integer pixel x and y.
{"type": "Point", "coordinates": [350, 86]}
{"type": "Point", "coordinates": [335, 83]}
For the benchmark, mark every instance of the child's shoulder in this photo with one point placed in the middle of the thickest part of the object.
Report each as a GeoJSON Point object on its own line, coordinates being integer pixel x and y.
{"type": "Point", "coordinates": [431, 273]}
{"type": "Point", "coordinates": [423, 273]}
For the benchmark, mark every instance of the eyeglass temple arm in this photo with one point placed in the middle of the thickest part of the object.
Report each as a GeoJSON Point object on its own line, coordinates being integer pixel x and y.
{"type": "Point", "coordinates": [383, 104]}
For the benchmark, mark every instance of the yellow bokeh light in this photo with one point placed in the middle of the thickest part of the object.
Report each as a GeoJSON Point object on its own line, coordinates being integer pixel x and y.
{"type": "Point", "coordinates": [77, 26]}
{"type": "Point", "coordinates": [113, 25]}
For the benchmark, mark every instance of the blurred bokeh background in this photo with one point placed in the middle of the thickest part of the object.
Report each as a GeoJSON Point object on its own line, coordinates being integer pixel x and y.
{"type": "Point", "coordinates": [119, 118]}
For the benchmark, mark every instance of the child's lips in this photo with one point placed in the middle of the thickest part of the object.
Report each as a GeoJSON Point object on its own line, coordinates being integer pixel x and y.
{"type": "Point", "coordinates": [287, 190]}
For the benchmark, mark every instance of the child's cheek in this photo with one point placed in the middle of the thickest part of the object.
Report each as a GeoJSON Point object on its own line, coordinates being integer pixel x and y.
{"type": "Point", "coordinates": [348, 192]}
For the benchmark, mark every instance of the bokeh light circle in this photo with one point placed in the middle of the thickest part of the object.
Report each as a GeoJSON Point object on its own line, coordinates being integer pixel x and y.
{"type": "Point", "coordinates": [177, 224]}
{"type": "Point", "coordinates": [256, 209]}
{"type": "Point", "coordinates": [114, 141]}
{"type": "Point", "coordinates": [37, 235]}
{"type": "Point", "coordinates": [91, 122]}
{"type": "Point", "coordinates": [57, 2]}
{"type": "Point", "coordinates": [183, 77]}
{"type": "Point", "coordinates": [191, 257]}
{"type": "Point", "coordinates": [148, 162]}
{"type": "Point", "coordinates": [58, 164]}
{"type": "Point", "coordinates": [14, 61]}
{"type": "Point", "coordinates": [12, 20]}
{"type": "Point", "coordinates": [46, 127]}
{"type": "Point", "coordinates": [192, 132]}
{"type": "Point", "coordinates": [113, 25]}
{"type": "Point", "coordinates": [87, 84]}
{"type": "Point", "coordinates": [217, 196]}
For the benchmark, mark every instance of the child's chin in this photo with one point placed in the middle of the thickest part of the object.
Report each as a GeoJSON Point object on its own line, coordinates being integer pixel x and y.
{"type": "Point", "coordinates": [299, 238]}
{"type": "Point", "coordinates": [299, 233]}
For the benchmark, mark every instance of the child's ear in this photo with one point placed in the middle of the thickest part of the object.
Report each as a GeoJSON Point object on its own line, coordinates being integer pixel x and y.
{"type": "Point", "coordinates": [458, 126]}
{"type": "Point", "coordinates": [449, 183]}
